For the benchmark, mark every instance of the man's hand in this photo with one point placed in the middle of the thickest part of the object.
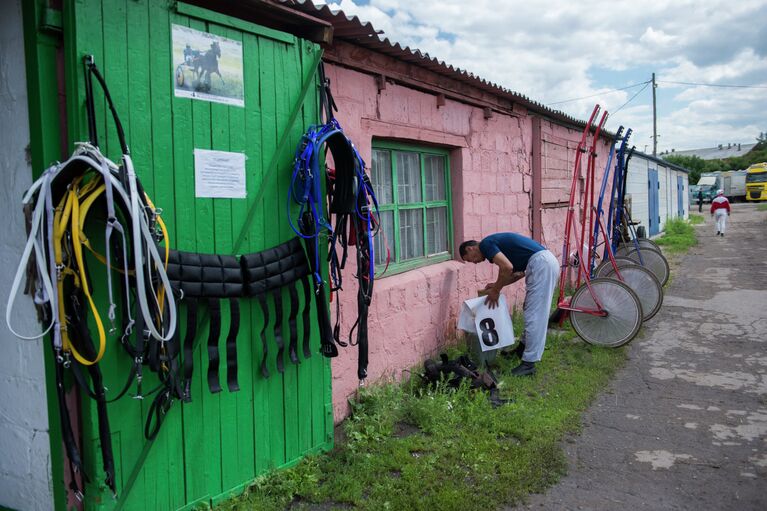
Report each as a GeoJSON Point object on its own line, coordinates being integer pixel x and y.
{"type": "Point", "coordinates": [493, 295]}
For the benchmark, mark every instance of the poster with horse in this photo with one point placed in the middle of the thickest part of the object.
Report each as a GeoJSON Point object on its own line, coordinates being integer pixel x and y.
{"type": "Point", "coordinates": [207, 67]}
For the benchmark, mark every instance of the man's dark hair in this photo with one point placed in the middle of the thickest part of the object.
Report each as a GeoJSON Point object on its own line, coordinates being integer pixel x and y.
{"type": "Point", "coordinates": [462, 247]}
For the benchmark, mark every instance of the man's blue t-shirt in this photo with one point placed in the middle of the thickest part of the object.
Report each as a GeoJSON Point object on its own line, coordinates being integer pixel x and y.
{"type": "Point", "coordinates": [517, 248]}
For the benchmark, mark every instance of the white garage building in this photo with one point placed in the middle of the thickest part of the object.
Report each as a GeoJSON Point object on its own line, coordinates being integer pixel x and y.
{"type": "Point", "coordinates": [656, 191]}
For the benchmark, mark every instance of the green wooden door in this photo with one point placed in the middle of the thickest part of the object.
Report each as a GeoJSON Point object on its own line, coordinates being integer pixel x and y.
{"type": "Point", "coordinates": [215, 445]}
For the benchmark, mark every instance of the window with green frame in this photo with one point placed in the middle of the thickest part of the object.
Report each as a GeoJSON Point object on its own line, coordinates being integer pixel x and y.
{"type": "Point", "coordinates": [412, 185]}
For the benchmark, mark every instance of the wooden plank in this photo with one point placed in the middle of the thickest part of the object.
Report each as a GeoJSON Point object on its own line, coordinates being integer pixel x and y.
{"type": "Point", "coordinates": [222, 216]}
{"type": "Point", "coordinates": [115, 71]}
{"type": "Point", "coordinates": [137, 122]}
{"type": "Point", "coordinates": [88, 35]}
{"type": "Point", "coordinates": [291, 80]}
{"type": "Point", "coordinates": [305, 383]}
{"type": "Point", "coordinates": [243, 413]}
{"type": "Point", "coordinates": [270, 132]}
{"type": "Point", "coordinates": [206, 232]}
{"type": "Point", "coordinates": [186, 239]}
{"type": "Point", "coordinates": [161, 95]}
{"type": "Point", "coordinates": [256, 241]}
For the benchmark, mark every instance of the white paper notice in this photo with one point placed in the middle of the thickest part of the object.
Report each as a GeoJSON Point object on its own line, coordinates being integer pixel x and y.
{"type": "Point", "coordinates": [219, 174]}
{"type": "Point", "coordinates": [492, 326]}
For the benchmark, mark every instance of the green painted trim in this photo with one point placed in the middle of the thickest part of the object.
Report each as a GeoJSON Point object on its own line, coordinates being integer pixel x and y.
{"type": "Point", "coordinates": [201, 13]}
{"type": "Point", "coordinates": [412, 264]}
{"type": "Point", "coordinates": [396, 266]}
{"type": "Point", "coordinates": [40, 62]}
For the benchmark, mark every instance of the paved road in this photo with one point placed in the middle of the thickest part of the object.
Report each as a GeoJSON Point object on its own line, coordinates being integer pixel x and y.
{"type": "Point", "coordinates": [684, 424]}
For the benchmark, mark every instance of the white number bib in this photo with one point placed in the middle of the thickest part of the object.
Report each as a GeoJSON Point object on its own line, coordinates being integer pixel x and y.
{"type": "Point", "coordinates": [492, 326]}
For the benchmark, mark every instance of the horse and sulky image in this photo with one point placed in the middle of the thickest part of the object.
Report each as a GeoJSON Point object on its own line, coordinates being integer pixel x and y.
{"type": "Point", "coordinates": [197, 56]}
{"type": "Point", "coordinates": [202, 66]}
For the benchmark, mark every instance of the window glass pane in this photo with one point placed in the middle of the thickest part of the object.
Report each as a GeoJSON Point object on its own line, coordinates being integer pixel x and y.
{"type": "Point", "coordinates": [381, 176]}
{"type": "Point", "coordinates": [436, 230]}
{"type": "Point", "coordinates": [408, 178]}
{"type": "Point", "coordinates": [434, 170]}
{"type": "Point", "coordinates": [410, 234]}
{"type": "Point", "coordinates": [384, 238]}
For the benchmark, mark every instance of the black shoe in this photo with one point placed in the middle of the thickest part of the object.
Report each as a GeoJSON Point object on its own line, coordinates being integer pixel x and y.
{"type": "Point", "coordinates": [718, 233]}
{"type": "Point", "coordinates": [524, 369]}
{"type": "Point", "coordinates": [722, 235]}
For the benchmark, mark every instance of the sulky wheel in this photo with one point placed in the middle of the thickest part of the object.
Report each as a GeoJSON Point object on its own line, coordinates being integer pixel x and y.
{"type": "Point", "coordinates": [648, 243]}
{"type": "Point", "coordinates": [646, 286]}
{"type": "Point", "coordinates": [180, 76]}
{"type": "Point", "coordinates": [624, 313]}
{"type": "Point", "coordinates": [653, 261]}
{"type": "Point", "coordinates": [606, 266]}
{"type": "Point", "coordinates": [628, 246]}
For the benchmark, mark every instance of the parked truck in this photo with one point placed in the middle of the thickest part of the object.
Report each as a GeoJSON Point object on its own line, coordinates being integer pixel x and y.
{"type": "Point", "coordinates": [709, 183]}
{"type": "Point", "coordinates": [734, 185]}
{"type": "Point", "coordinates": [756, 181]}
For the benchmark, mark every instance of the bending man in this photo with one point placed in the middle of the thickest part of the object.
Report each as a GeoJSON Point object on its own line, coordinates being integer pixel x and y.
{"type": "Point", "coordinates": [518, 256]}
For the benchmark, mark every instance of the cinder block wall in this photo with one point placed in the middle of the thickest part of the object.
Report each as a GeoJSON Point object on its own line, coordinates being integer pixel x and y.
{"type": "Point", "coordinates": [414, 313]}
{"type": "Point", "coordinates": [25, 480]}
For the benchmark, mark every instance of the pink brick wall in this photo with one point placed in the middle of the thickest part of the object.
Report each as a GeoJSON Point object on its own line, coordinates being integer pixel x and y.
{"type": "Point", "coordinates": [413, 314]}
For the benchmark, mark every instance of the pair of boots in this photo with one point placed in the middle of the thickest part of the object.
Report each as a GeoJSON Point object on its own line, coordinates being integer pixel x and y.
{"type": "Point", "coordinates": [524, 368]}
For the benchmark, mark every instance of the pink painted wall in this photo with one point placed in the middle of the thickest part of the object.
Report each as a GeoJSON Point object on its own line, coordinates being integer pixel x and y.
{"type": "Point", "coordinates": [413, 314]}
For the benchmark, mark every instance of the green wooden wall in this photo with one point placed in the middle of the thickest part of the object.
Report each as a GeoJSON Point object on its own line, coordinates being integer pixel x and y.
{"type": "Point", "coordinates": [214, 446]}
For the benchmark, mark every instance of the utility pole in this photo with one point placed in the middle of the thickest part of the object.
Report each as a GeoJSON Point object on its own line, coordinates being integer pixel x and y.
{"type": "Point", "coordinates": [654, 120]}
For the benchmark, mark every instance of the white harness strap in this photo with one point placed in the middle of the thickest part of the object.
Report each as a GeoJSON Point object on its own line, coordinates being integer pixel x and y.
{"type": "Point", "coordinates": [140, 233]}
{"type": "Point", "coordinates": [34, 242]}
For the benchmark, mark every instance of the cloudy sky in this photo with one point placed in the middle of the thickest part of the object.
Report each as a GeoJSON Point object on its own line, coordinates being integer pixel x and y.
{"type": "Point", "coordinates": [560, 50]}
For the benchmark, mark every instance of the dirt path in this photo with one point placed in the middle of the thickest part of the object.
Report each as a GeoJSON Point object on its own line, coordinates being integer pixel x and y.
{"type": "Point", "coordinates": [684, 424]}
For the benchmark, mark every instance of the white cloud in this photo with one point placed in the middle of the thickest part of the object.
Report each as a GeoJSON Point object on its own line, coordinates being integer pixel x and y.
{"type": "Point", "coordinates": [563, 49]}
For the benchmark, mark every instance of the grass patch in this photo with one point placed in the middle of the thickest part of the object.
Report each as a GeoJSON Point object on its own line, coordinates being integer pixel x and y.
{"type": "Point", "coordinates": [410, 447]}
{"type": "Point", "coordinates": [695, 219]}
{"type": "Point", "coordinates": [762, 207]}
{"type": "Point", "coordinates": [678, 236]}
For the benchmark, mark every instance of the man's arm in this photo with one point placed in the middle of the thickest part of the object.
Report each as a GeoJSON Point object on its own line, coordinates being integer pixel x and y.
{"type": "Point", "coordinates": [506, 276]}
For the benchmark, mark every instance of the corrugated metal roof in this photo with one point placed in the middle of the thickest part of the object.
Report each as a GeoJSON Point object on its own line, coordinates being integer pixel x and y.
{"type": "Point", "coordinates": [716, 153]}
{"type": "Point", "coordinates": [362, 33]}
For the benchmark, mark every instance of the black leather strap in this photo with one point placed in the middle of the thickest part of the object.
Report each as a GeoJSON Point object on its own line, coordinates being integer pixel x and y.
{"type": "Point", "coordinates": [277, 296]}
{"type": "Point", "coordinates": [81, 337]}
{"type": "Point", "coordinates": [264, 344]}
{"type": "Point", "coordinates": [305, 317]}
{"type": "Point", "coordinates": [191, 333]}
{"type": "Point", "coordinates": [231, 346]}
{"type": "Point", "coordinates": [327, 345]}
{"type": "Point", "coordinates": [67, 434]}
{"type": "Point", "coordinates": [213, 332]}
{"type": "Point", "coordinates": [293, 347]}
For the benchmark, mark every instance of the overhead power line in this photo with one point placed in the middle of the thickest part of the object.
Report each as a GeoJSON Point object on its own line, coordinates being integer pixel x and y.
{"type": "Point", "coordinates": [600, 93]}
{"type": "Point", "coordinates": [631, 98]}
{"type": "Point", "coordinates": [715, 85]}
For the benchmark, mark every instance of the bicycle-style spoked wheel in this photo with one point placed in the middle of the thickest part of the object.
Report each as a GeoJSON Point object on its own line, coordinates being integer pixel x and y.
{"type": "Point", "coordinates": [606, 267]}
{"type": "Point", "coordinates": [653, 261]}
{"type": "Point", "coordinates": [646, 286]}
{"type": "Point", "coordinates": [624, 313]}
{"type": "Point", "coordinates": [628, 246]}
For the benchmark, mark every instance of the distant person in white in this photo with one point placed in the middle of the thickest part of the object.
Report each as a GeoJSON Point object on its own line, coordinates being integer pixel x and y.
{"type": "Point", "coordinates": [720, 210]}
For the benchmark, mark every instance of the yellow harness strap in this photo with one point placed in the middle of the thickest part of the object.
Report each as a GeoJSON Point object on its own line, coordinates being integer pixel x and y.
{"type": "Point", "coordinates": [68, 214]}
